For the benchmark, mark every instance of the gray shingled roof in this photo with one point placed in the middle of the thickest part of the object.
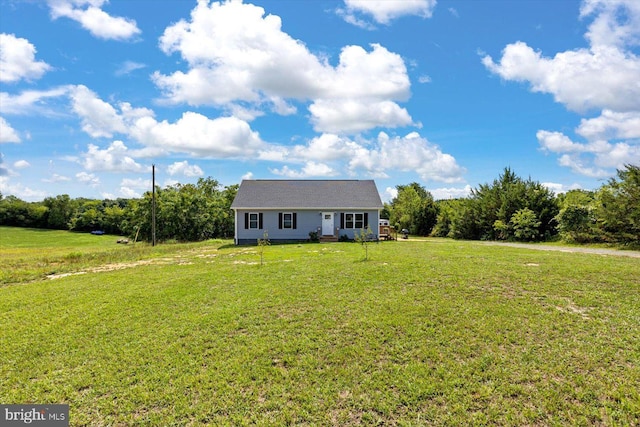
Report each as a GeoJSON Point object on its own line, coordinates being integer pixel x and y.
{"type": "Point", "coordinates": [307, 194]}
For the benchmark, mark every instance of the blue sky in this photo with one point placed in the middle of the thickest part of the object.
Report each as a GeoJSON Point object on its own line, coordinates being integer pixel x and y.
{"type": "Point", "coordinates": [446, 93]}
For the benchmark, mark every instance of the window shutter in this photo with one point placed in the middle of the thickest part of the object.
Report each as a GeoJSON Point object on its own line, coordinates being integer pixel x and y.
{"type": "Point", "coordinates": [366, 219]}
{"type": "Point", "coordinates": [246, 220]}
{"type": "Point", "coordinates": [280, 220]}
{"type": "Point", "coordinates": [260, 220]}
{"type": "Point", "coordinates": [341, 219]}
{"type": "Point", "coordinates": [295, 220]}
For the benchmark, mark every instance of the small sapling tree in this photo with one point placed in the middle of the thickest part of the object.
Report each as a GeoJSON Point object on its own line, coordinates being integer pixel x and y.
{"type": "Point", "coordinates": [364, 237]}
{"type": "Point", "coordinates": [262, 243]}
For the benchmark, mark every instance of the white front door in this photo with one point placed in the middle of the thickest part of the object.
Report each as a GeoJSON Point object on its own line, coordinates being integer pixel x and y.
{"type": "Point", "coordinates": [327, 223]}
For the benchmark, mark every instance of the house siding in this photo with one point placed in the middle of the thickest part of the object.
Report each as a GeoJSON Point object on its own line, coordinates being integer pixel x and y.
{"type": "Point", "coordinates": [306, 222]}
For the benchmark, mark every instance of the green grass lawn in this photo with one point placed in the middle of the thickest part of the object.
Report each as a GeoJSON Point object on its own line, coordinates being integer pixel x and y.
{"type": "Point", "coordinates": [437, 332]}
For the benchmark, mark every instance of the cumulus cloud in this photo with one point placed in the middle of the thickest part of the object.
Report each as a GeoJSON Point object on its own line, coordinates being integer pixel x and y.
{"type": "Point", "coordinates": [237, 56]}
{"type": "Point", "coordinates": [21, 164]}
{"type": "Point", "coordinates": [616, 22]}
{"type": "Point", "coordinates": [91, 17]}
{"type": "Point", "coordinates": [88, 179]}
{"type": "Point", "coordinates": [7, 133]}
{"type": "Point", "coordinates": [327, 154]}
{"type": "Point", "coordinates": [356, 115]}
{"type": "Point", "coordinates": [310, 169]}
{"type": "Point", "coordinates": [115, 158]}
{"type": "Point", "coordinates": [604, 77]}
{"type": "Point", "coordinates": [193, 133]}
{"type": "Point", "coordinates": [593, 158]}
{"type": "Point", "coordinates": [450, 192]}
{"type": "Point", "coordinates": [185, 169]}
{"type": "Point", "coordinates": [35, 101]}
{"type": "Point", "coordinates": [385, 11]}
{"type": "Point", "coordinates": [19, 190]}
{"type": "Point", "coordinates": [55, 178]}
{"type": "Point", "coordinates": [133, 188]}
{"type": "Point", "coordinates": [611, 125]}
{"type": "Point", "coordinates": [560, 188]}
{"type": "Point", "coordinates": [99, 118]}
{"type": "Point", "coordinates": [409, 153]}
{"type": "Point", "coordinates": [17, 60]}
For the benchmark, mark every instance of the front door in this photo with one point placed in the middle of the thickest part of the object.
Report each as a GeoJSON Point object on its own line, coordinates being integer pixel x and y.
{"type": "Point", "coordinates": [327, 223]}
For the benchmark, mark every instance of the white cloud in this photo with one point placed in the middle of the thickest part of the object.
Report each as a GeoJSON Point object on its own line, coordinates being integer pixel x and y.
{"type": "Point", "coordinates": [21, 164]}
{"type": "Point", "coordinates": [133, 188]}
{"type": "Point", "coordinates": [593, 157]}
{"type": "Point", "coordinates": [330, 153]}
{"type": "Point", "coordinates": [409, 153]}
{"type": "Point", "coordinates": [193, 133]}
{"type": "Point", "coordinates": [236, 54]}
{"type": "Point", "coordinates": [17, 60]}
{"type": "Point", "coordinates": [326, 147]}
{"type": "Point", "coordinates": [601, 77]}
{"type": "Point", "coordinates": [310, 169]}
{"type": "Point", "coordinates": [248, 175]}
{"type": "Point", "coordinates": [616, 23]}
{"type": "Point", "coordinates": [390, 193]}
{"type": "Point", "coordinates": [185, 169]}
{"type": "Point", "coordinates": [557, 188]}
{"type": "Point", "coordinates": [89, 14]}
{"type": "Point", "coordinates": [450, 193]}
{"type": "Point", "coordinates": [19, 190]}
{"type": "Point", "coordinates": [88, 179]}
{"type": "Point", "coordinates": [129, 193]}
{"type": "Point", "coordinates": [356, 115]}
{"type": "Point", "coordinates": [578, 166]}
{"type": "Point", "coordinates": [128, 67]}
{"type": "Point", "coordinates": [604, 77]}
{"type": "Point", "coordinates": [99, 118]}
{"type": "Point", "coordinates": [138, 183]}
{"type": "Point", "coordinates": [33, 101]}
{"type": "Point", "coordinates": [557, 142]}
{"type": "Point", "coordinates": [7, 133]}
{"type": "Point", "coordinates": [611, 125]}
{"type": "Point", "coordinates": [56, 178]}
{"type": "Point", "coordinates": [113, 159]}
{"type": "Point", "coordinates": [384, 11]}
{"type": "Point", "coordinates": [424, 79]}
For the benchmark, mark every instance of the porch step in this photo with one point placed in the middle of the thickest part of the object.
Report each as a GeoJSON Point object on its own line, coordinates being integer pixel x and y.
{"type": "Point", "coordinates": [327, 239]}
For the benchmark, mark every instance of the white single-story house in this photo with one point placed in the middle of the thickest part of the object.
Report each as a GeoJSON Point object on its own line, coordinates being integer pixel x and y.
{"type": "Point", "coordinates": [288, 210]}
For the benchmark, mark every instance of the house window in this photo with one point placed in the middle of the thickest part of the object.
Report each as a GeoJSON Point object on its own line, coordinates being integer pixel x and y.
{"type": "Point", "coordinates": [253, 220]}
{"type": "Point", "coordinates": [354, 220]}
{"type": "Point", "coordinates": [287, 220]}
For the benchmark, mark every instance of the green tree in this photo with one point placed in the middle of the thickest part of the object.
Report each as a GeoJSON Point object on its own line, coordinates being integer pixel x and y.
{"type": "Point", "coordinates": [414, 209]}
{"type": "Point", "coordinates": [493, 205]}
{"type": "Point", "coordinates": [619, 206]}
{"type": "Point", "coordinates": [525, 224]}
{"type": "Point", "coordinates": [61, 210]}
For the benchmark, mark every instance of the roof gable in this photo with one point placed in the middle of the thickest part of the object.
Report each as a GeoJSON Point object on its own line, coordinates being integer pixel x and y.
{"type": "Point", "coordinates": [307, 194]}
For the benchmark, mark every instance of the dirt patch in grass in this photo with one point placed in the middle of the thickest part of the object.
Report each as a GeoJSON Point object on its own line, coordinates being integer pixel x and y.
{"type": "Point", "coordinates": [120, 266]}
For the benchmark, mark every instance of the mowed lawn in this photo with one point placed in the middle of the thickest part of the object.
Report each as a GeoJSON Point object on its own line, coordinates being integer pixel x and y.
{"type": "Point", "coordinates": [435, 332]}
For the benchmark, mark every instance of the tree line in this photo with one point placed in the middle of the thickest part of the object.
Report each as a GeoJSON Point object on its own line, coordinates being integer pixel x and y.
{"type": "Point", "coordinates": [517, 209]}
{"type": "Point", "coordinates": [509, 208]}
{"type": "Point", "coordinates": [189, 212]}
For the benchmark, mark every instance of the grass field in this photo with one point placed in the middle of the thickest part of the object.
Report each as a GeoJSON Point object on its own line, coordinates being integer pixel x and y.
{"type": "Point", "coordinates": [436, 332]}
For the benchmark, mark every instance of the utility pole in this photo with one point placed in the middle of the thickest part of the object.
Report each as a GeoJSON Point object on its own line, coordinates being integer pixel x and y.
{"type": "Point", "coordinates": [153, 205]}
